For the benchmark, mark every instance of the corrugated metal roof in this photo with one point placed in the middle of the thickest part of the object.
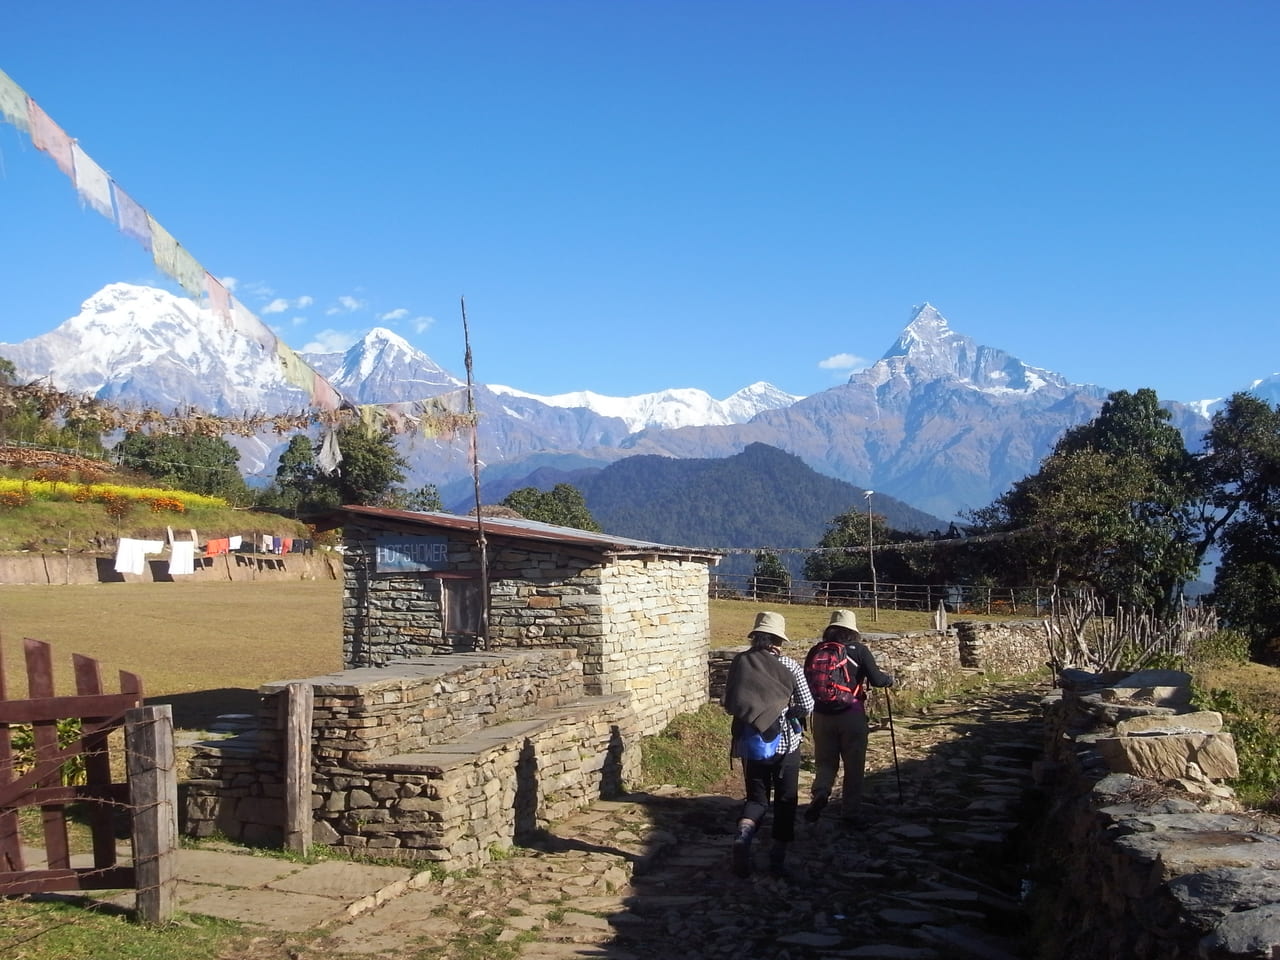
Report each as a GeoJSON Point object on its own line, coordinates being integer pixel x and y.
{"type": "Point", "coordinates": [530, 530]}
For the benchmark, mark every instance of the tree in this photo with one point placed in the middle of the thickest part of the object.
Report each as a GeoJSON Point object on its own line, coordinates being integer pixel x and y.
{"type": "Point", "coordinates": [1243, 465]}
{"type": "Point", "coordinates": [200, 464]}
{"type": "Point", "coordinates": [562, 505]}
{"type": "Point", "coordinates": [426, 499]}
{"type": "Point", "coordinates": [770, 578]}
{"type": "Point", "coordinates": [1116, 506]}
{"type": "Point", "coordinates": [371, 465]}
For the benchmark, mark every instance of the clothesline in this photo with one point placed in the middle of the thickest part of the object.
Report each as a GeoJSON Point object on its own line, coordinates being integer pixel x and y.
{"type": "Point", "coordinates": [132, 553]}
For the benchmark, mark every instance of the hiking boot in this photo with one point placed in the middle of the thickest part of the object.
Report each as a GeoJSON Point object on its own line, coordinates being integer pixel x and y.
{"type": "Point", "coordinates": [814, 810]}
{"type": "Point", "coordinates": [742, 850]}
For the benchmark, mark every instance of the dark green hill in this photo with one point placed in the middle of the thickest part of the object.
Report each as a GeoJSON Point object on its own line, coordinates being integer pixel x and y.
{"type": "Point", "coordinates": [761, 497]}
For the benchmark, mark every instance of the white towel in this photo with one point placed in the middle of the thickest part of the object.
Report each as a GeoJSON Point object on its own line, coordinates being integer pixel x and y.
{"type": "Point", "coordinates": [182, 560]}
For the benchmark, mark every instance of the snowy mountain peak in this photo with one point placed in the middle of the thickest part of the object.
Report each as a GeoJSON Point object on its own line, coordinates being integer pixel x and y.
{"type": "Point", "coordinates": [929, 349]}
{"type": "Point", "coordinates": [681, 407]}
{"type": "Point", "coordinates": [383, 367]}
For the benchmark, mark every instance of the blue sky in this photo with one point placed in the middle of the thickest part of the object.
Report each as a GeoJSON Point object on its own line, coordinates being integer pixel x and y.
{"type": "Point", "coordinates": [640, 195]}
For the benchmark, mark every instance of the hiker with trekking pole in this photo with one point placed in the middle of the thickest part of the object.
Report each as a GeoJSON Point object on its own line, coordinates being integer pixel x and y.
{"type": "Point", "coordinates": [838, 669]}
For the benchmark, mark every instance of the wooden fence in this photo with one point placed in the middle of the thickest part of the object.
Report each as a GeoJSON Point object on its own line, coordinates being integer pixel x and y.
{"type": "Point", "coordinates": [54, 764]}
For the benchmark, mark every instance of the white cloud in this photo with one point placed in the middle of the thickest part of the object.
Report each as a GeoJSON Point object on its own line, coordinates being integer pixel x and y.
{"type": "Point", "coordinates": [303, 302]}
{"type": "Point", "coordinates": [346, 305]}
{"type": "Point", "coordinates": [842, 361]}
{"type": "Point", "coordinates": [298, 321]}
{"type": "Point", "coordinates": [397, 314]}
{"type": "Point", "coordinates": [278, 305]}
{"type": "Point", "coordinates": [423, 324]}
{"type": "Point", "coordinates": [229, 282]}
{"type": "Point", "coordinates": [330, 341]}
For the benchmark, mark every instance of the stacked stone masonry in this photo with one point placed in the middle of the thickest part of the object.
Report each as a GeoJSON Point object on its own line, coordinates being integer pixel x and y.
{"type": "Point", "coordinates": [442, 758]}
{"type": "Point", "coordinates": [1144, 853]}
{"type": "Point", "coordinates": [640, 626]}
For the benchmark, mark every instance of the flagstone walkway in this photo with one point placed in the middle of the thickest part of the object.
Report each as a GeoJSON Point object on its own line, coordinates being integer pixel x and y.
{"type": "Point", "coordinates": [935, 872]}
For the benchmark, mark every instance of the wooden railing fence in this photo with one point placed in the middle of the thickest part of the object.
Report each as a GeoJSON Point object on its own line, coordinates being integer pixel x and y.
{"type": "Point", "coordinates": [35, 776]}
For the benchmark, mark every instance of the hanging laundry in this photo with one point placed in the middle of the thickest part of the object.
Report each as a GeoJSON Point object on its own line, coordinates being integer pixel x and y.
{"type": "Point", "coordinates": [182, 558]}
{"type": "Point", "coordinates": [131, 218]}
{"type": "Point", "coordinates": [266, 542]}
{"type": "Point", "coordinates": [215, 548]}
{"type": "Point", "coordinates": [286, 544]}
{"type": "Point", "coordinates": [233, 543]}
{"type": "Point", "coordinates": [50, 138]}
{"type": "Point", "coordinates": [164, 248]}
{"type": "Point", "coordinates": [330, 456]}
{"type": "Point", "coordinates": [131, 555]}
{"type": "Point", "coordinates": [92, 182]}
{"type": "Point", "coordinates": [13, 103]}
{"type": "Point", "coordinates": [219, 299]}
{"type": "Point", "coordinates": [275, 544]}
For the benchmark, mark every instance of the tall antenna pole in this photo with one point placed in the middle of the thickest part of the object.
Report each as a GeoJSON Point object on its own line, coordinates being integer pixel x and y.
{"type": "Point", "coordinates": [475, 476]}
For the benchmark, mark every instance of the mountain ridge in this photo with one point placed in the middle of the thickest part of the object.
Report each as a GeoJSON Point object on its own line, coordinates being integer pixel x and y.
{"type": "Point", "coordinates": [940, 421]}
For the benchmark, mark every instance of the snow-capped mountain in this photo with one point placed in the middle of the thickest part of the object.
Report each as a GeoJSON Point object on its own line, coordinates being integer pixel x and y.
{"type": "Point", "coordinates": [939, 422]}
{"type": "Point", "coordinates": [383, 368]}
{"type": "Point", "coordinates": [688, 407]}
{"type": "Point", "coordinates": [928, 347]}
{"type": "Point", "coordinates": [146, 347]}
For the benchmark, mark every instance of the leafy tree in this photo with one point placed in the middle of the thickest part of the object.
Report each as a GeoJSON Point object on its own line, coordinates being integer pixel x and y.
{"type": "Point", "coordinates": [770, 578]}
{"type": "Point", "coordinates": [1116, 506]}
{"type": "Point", "coordinates": [200, 464]}
{"type": "Point", "coordinates": [562, 505]}
{"type": "Point", "coordinates": [8, 372]}
{"type": "Point", "coordinates": [426, 499]}
{"type": "Point", "coordinates": [297, 489]}
{"type": "Point", "coordinates": [371, 465]}
{"type": "Point", "coordinates": [1243, 465]}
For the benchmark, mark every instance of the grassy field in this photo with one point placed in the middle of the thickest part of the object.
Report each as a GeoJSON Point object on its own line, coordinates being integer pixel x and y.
{"type": "Point", "coordinates": [203, 647]}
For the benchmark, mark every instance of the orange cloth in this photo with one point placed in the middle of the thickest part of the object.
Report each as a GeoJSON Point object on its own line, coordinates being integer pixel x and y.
{"type": "Point", "coordinates": [215, 547]}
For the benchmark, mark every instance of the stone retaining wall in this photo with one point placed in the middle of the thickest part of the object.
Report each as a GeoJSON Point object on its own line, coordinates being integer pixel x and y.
{"type": "Point", "coordinates": [439, 758]}
{"type": "Point", "coordinates": [37, 568]}
{"type": "Point", "coordinates": [930, 660]}
{"type": "Point", "coordinates": [1144, 854]}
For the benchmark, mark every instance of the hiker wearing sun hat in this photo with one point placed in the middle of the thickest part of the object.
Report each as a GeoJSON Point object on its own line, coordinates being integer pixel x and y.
{"type": "Point", "coordinates": [768, 697]}
{"type": "Point", "coordinates": [838, 668]}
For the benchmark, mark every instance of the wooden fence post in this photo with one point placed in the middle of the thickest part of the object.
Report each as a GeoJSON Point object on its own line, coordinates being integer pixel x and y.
{"type": "Point", "coordinates": [153, 795]}
{"type": "Point", "coordinates": [298, 817]}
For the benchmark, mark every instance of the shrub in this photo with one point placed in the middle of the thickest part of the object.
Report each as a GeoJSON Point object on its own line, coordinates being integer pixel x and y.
{"type": "Point", "coordinates": [1257, 740]}
{"type": "Point", "coordinates": [23, 740]}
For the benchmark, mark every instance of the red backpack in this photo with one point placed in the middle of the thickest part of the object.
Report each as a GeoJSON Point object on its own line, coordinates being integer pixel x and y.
{"type": "Point", "coordinates": [830, 672]}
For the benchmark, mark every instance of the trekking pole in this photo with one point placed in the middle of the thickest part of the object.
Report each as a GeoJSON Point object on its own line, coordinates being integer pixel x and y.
{"type": "Point", "coordinates": [893, 742]}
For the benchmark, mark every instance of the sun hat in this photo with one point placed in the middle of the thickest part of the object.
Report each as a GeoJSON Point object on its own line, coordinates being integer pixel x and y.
{"type": "Point", "coordinates": [772, 623]}
{"type": "Point", "coordinates": [844, 618]}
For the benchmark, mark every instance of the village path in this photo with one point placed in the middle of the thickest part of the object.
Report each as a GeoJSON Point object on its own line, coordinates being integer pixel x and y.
{"type": "Point", "coordinates": [935, 871]}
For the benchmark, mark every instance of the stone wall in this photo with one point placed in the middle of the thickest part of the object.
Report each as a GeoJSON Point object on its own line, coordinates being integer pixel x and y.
{"type": "Point", "coordinates": [440, 758]}
{"type": "Point", "coordinates": [927, 661]}
{"type": "Point", "coordinates": [1143, 853]}
{"type": "Point", "coordinates": [36, 568]}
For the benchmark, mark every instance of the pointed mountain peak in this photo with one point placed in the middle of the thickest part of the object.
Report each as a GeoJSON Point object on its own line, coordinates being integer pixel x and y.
{"type": "Point", "coordinates": [925, 334]}
{"type": "Point", "coordinates": [380, 336]}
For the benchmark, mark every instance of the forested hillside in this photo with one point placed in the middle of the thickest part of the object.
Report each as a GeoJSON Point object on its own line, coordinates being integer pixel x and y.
{"type": "Point", "coordinates": [761, 497]}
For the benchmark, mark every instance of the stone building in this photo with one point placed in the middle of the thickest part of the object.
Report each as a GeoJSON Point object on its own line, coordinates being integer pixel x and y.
{"type": "Point", "coordinates": [636, 613]}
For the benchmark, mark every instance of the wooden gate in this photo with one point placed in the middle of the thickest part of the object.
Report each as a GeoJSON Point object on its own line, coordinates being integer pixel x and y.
{"type": "Point", "coordinates": [102, 798]}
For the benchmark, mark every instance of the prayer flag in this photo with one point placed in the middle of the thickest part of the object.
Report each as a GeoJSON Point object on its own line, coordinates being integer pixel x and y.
{"type": "Point", "coordinates": [50, 138]}
{"type": "Point", "coordinates": [92, 182]}
{"type": "Point", "coordinates": [13, 103]}
{"type": "Point", "coordinates": [131, 218]}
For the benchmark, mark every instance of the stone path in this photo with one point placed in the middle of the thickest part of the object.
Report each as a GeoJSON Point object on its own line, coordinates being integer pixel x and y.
{"type": "Point", "coordinates": [934, 873]}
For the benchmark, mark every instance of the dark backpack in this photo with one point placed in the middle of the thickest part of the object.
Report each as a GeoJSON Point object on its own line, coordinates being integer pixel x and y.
{"type": "Point", "coordinates": [831, 674]}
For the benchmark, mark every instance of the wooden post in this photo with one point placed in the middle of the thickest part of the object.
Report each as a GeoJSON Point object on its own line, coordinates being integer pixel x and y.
{"type": "Point", "coordinates": [299, 701]}
{"type": "Point", "coordinates": [153, 794]}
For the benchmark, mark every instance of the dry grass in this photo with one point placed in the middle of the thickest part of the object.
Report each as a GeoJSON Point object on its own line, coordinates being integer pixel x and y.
{"type": "Point", "coordinates": [203, 647]}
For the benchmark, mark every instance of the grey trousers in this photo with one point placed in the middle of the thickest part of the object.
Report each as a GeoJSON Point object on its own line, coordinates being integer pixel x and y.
{"type": "Point", "coordinates": [840, 738]}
